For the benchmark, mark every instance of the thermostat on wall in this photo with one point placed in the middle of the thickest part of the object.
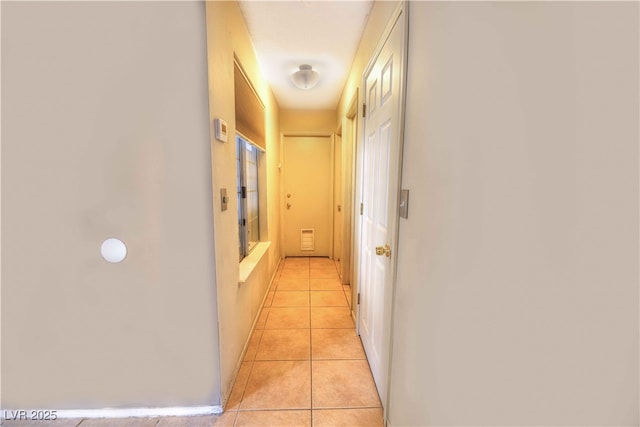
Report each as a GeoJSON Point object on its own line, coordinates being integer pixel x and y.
{"type": "Point", "coordinates": [220, 127]}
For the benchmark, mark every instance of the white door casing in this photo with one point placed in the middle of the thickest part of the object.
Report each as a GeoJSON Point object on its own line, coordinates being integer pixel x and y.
{"type": "Point", "coordinates": [383, 83]}
{"type": "Point", "coordinates": [338, 199]}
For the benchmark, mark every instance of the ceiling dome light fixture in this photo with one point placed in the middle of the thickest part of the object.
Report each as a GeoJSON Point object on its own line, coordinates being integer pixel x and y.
{"type": "Point", "coordinates": [305, 77]}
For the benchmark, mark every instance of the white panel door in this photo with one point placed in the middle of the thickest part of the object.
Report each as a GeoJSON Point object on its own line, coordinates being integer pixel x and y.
{"type": "Point", "coordinates": [308, 194]}
{"type": "Point", "coordinates": [382, 148]}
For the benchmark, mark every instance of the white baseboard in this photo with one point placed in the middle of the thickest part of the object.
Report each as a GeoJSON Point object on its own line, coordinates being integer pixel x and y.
{"type": "Point", "coordinates": [178, 411]}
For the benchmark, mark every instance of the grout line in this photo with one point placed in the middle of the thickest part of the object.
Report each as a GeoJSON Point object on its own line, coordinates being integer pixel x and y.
{"type": "Point", "coordinates": [244, 389]}
{"type": "Point", "coordinates": [310, 349]}
{"type": "Point", "coordinates": [282, 409]}
{"type": "Point", "coordinates": [346, 408]}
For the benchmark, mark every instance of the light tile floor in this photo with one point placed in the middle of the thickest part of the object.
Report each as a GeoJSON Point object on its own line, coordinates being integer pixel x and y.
{"type": "Point", "coordinates": [305, 365]}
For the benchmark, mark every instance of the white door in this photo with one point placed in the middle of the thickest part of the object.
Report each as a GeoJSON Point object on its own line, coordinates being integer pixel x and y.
{"type": "Point", "coordinates": [308, 195]}
{"type": "Point", "coordinates": [382, 147]}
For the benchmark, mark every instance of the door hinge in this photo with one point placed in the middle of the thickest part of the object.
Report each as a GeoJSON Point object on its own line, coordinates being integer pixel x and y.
{"type": "Point", "coordinates": [358, 297]}
{"type": "Point", "coordinates": [364, 110]}
{"type": "Point", "coordinates": [243, 191]}
{"type": "Point", "coordinates": [361, 208]}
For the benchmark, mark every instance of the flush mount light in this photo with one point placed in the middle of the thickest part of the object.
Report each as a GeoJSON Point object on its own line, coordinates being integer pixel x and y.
{"type": "Point", "coordinates": [305, 77]}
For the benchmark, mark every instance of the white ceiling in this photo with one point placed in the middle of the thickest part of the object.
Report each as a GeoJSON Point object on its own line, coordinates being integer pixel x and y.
{"type": "Point", "coordinates": [323, 34]}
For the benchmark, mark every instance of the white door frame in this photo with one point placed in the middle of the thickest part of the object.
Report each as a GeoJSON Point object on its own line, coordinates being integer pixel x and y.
{"type": "Point", "coordinates": [338, 234]}
{"type": "Point", "coordinates": [293, 134]}
{"type": "Point", "coordinates": [350, 135]}
{"type": "Point", "coordinates": [399, 17]}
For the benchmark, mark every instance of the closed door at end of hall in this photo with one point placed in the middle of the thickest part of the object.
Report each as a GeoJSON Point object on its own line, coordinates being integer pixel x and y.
{"type": "Point", "coordinates": [308, 195]}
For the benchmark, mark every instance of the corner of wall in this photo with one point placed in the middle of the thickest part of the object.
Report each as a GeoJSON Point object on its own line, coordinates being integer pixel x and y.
{"type": "Point", "coordinates": [238, 306]}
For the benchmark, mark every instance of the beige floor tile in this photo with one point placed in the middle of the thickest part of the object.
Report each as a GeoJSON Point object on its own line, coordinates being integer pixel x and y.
{"type": "Point", "coordinates": [288, 318]}
{"type": "Point", "coordinates": [284, 344]}
{"type": "Point", "coordinates": [328, 299]}
{"type": "Point", "coordinates": [59, 422]}
{"type": "Point", "coordinates": [323, 265]}
{"type": "Point", "coordinates": [301, 265]}
{"type": "Point", "coordinates": [291, 299]}
{"type": "Point", "coordinates": [336, 344]}
{"type": "Point", "coordinates": [295, 284]}
{"type": "Point", "coordinates": [253, 345]}
{"type": "Point", "coordinates": [269, 299]}
{"type": "Point", "coordinates": [324, 273]}
{"type": "Point", "coordinates": [325, 284]}
{"type": "Point", "coordinates": [262, 319]}
{"type": "Point", "coordinates": [238, 387]}
{"type": "Point", "coordinates": [225, 419]}
{"type": "Point", "coordinates": [319, 262]}
{"type": "Point", "coordinates": [274, 418]}
{"type": "Point", "coordinates": [343, 384]}
{"type": "Point", "coordinates": [290, 270]}
{"type": "Point", "coordinates": [278, 385]}
{"type": "Point", "coordinates": [331, 317]}
{"type": "Point", "coordinates": [366, 417]}
{"type": "Point", "coordinates": [294, 274]}
{"type": "Point", "coordinates": [296, 262]}
{"type": "Point", "coordinates": [119, 422]}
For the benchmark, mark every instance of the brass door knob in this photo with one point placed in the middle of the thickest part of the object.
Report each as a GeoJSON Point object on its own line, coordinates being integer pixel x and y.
{"type": "Point", "coordinates": [383, 250]}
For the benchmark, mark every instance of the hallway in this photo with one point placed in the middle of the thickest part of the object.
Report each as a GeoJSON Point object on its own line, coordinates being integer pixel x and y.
{"type": "Point", "coordinates": [305, 365]}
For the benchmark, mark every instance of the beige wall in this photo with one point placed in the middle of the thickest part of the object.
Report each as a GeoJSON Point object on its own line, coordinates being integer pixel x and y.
{"type": "Point", "coordinates": [105, 134]}
{"type": "Point", "coordinates": [238, 305]}
{"type": "Point", "coordinates": [307, 121]}
{"type": "Point", "coordinates": [517, 290]}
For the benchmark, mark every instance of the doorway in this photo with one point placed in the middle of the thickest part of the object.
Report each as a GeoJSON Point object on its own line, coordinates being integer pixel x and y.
{"type": "Point", "coordinates": [308, 195]}
{"type": "Point", "coordinates": [338, 217]}
{"type": "Point", "coordinates": [349, 138]}
{"type": "Point", "coordinates": [383, 94]}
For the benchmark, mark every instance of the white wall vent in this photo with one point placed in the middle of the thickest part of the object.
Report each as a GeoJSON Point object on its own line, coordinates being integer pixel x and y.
{"type": "Point", "coordinates": [307, 239]}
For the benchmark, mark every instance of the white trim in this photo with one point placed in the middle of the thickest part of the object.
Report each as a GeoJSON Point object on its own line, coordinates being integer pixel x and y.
{"type": "Point", "coordinates": [400, 9]}
{"type": "Point", "coordinates": [176, 411]}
